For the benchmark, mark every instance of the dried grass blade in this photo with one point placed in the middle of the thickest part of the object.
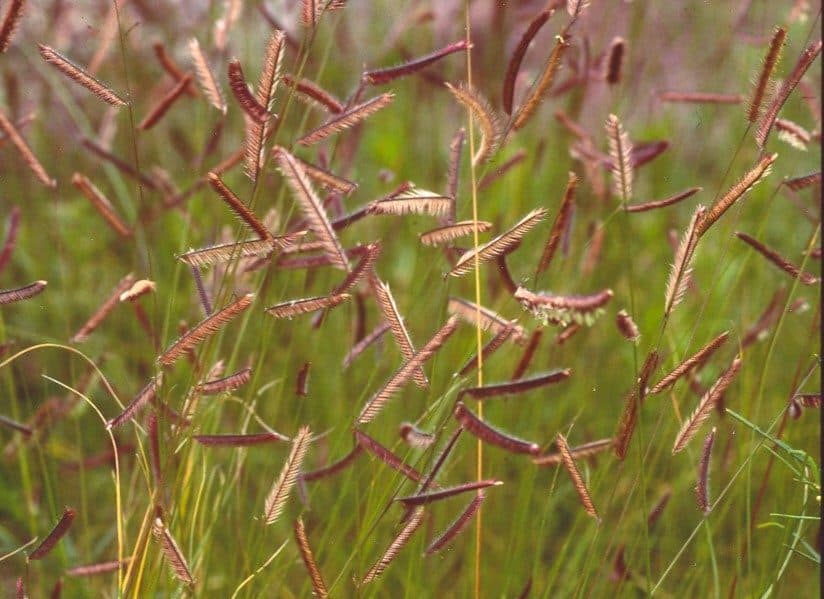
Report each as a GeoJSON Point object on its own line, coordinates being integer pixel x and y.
{"type": "Point", "coordinates": [620, 151]}
{"type": "Point", "coordinates": [101, 204]}
{"type": "Point", "coordinates": [312, 208]}
{"type": "Point", "coordinates": [147, 394]}
{"type": "Point", "coordinates": [514, 65]}
{"type": "Point", "coordinates": [405, 372]}
{"type": "Point", "coordinates": [747, 182]}
{"type": "Point", "coordinates": [540, 89]}
{"type": "Point", "coordinates": [57, 533]}
{"type": "Point", "coordinates": [395, 547]}
{"type": "Point", "coordinates": [10, 23]}
{"type": "Point", "coordinates": [488, 120]}
{"type": "Point", "coordinates": [347, 119]}
{"type": "Point", "coordinates": [771, 59]}
{"type": "Point", "coordinates": [247, 440]}
{"type": "Point", "coordinates": [204, 329]}
{"type": "Point", "coordinates": [382, 76]}
{"type": "Point", "coordinates": [694, 361]}
{"type": "Point", "coordinates": [682, 265]}
{"type": "Point", "coordinates": [7, 127]}
{"type": "Point", "coordinates": [306, 305]}
{"type": "Point", "coordinates": [9, 296]}
{"type": "Point", "coordinates": [777, 259]}
{"type": "Point", "coordinates": [702, 493]}
{"type": "Point", "coordinates": [518, 386]}
{"type": "Point", "coordinates": [457, 526]}
{"type": "Point", "coordinates": [318, 586]}
{"type": "Point", "coordinates": [500, 245]}
{"type": "Point", "coordinates": [705, 406]}
{"type": "Point", "coordinates": [172, 552]}
{"type": "Point", "coordinates": [480, 429]}
{"type": "Point", "coordinates": [80, 76]}
{"type": "Point", "coordinates": [581, 451]}
{"type": "Point", "coordinates": [276, 500]}
{"type": "Point", "coordinates": [386, 456]}
{"type": "Point", "coordinates": [577, 479]}
{"type": "Point", "coordinates": [448, 233]}
{"type": "Point", "coordinates": [806, 59]}
{"type": "Point", "coordinates": [392, 317]}
{"type": "Point", "coordinates": [244, 97]}
{"type": "Point", "coordinates": [560, 225]}
{"type": "Point", "coordinates": [205, 77]}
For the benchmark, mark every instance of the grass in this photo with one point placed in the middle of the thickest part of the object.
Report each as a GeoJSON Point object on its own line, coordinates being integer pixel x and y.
{"type": "Point", "coordinates": [532, 530]}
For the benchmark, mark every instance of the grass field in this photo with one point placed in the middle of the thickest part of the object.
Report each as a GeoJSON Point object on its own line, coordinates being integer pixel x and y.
{"type": "Point", "coordinates": [617, 125]}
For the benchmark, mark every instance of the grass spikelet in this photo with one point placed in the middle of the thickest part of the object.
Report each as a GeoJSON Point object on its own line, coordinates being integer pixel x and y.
{"type": "Point", "coordinates": [480, 429]}
{"type": "Point", "coordinates": [490, 348]}
{"type": "Point", "coordinates": [318, 586]}
{"type": "Point", "coordinates": [101, 204]}
{"type": "Point", "coordinates": [228, 383]}
{"type": "Point", "coordinates": [678, 197]}
{"type": "Point", "coordinates": [615, 62]}
{"type": "Point", "coordinates": [747, 182]}
{"type": "Point", "coordinates": [327, 179]}
{"type": "Point", "coordinates": [165, 103]}
{"type": "Point", "coordinates": [104, 310]}
{"type": "Point", "coordinates": [414, 201]}
{"type": "Point", "coordinates": [306, 305]}
{"type": "Point", "coordinates": [361, 346]}
{"type": "Point", "coordinates": [57, 533]}
{"type": "Point", "coordinates": [414, 436]}
{"type": "Point", "coordinates": [382, 76]}
{"type": "Point", "coordinates": [80, 76]}
{"type": "Point", "coordinates": [204, 329]}
{"type": "Point", "coordinates": [489, 319]}
{"type": "Point", "coordinates": [453, 172]}
{"type": "Point", "coordinates": [276, 500]}
{"type": "Point", "coordinates": [620, 150]}
{"type": "Point", "coordinates": [702, 493]}
{"type": "Point", "coordinates": [224, 252]}
{"type": "Point", "coordinates": [26, 431]}
{"type": "Point", "coordinates": [392, 317]}
{"type": "Point", "coordinates": [695, 360]}
{"type": "Point", "coordinates": [514, 64]}
{"type": "Point", "coordinates": [492, 176]}
{"type": "Point", "coordinates": [626, 325]}
{"type": "Point", "coordinates": [9, 296]}
{"type": "Point", "coordinates": [11, 20]}
{"type": "Point", "coordinates": [120, 164]}
{"type": "Point", "coordinates": [205, 77]}
{"type": "Point", "coordinates": [334, 467]}
{"type": "Point", "coordinates": [238, 207]}
{"type": "Point", "coordinates": [445, 493]}
{"type": "Point", "coordinates": [682, 265]}
{"type": "Point", "coordinates": [7, 127]}
{"type": "Point", "coordinates": [171, 67]}
{"type": "Point", "coordinates": [517, 386]}
{"type": "Point", "coordinates": [302, 380]}
{"type": "Point", "coordinates": [247, 440]}
{"type": "Point", "coordinates": [395, 547]}
{"type": "Point", "coordinates": [487, 118]}
{"type": "Point", "coordinates": [347, 119]}
{"type": "Point", "coordinates": [632, 407]}
{"type": "Point", "coordinates": [658, 508]}
{"type": "Point", "coordinates": [404, 373]}
{"type": "Point", "coordinates": [806, 59]}
{"type": "Point", "coordinates": [457, 526]}
{"type": "Point", "coordinates": [270, 73]}
{"type": "Point", "coordinates": [96, 569]}
{"type": "Point", "coordinates": [311, 206]}
{"type": "Point", "coordinates": [700, 97]}
{"type": "Point", "coordinates": [564, 309]}
{"type": "Point", "coordinates": [315, 94]}
{"type": "Point", "coordinates": [172, 552]}
{"type": "Point", "coordinates": [529, 352]}
{"type": "Point", "coordinates": [793, 134]}
{"type": "Point", "coordinates": [501, 244]}
{"type": "Point", "coordinates": [541, 88]}
{"type": "Point", "coordinates": [799, 183]}
{"type": "Point", "coordinates": [448, 233]}
{"type": "Point", "coordinates": [771, 59]}
{"type": "Point", "coordinates": [581, 451]}
{"type": "Point", "coordinates": [560, 225]}
{"type": "Point", "coordinates": [12, 229]}
{"type": "Point", "coordinates": [244, 97]}
{"type": "Point", "coordinates": [386, 456]}
{"type": "Point", "coordinates": [705, 406]}
{"type": "Point", "coordinates": [577, 479]}
{"type": "Point", "coordinates": [777, 259]}
{"type": "Point", "coordinates": [143, 397]}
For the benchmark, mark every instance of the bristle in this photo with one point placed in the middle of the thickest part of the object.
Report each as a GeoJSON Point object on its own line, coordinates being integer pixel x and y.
{"type": "Point", "coordinates": [143, 397]}
{"type": "Point", "coordinates": [448, 233]}
{"type": "Point", "coordinates": [487, 118]}
{"type": "Point", "coordinates": [318, 586]}
{"type": "Point", "coordinates": [394, 548]}
{"type": "Point", "coordinates": [347, 119]}
{"type": "Point", "coordinates": [770, 61]}
{"type": "Point", "coordinates": [695, 360]}
{"type": "Point", "coordinates": [702, 493]}
{"type": "Point", "coordinates": [533, 100]}
{"type": "Point", "coordinates": [575, 475]}
{"type": "Point", "coordinates": [205, 77]}
{"type": "Point", "coordinates": [457, 526]}
{"type": "Point", "coordinates": [682, 265]}
{"type": "Point", "coordinates": [80, 76]}
{"type": "Point", "coordinates": [386, 456]}
{"type": "Point", "coordinates": [304, 306]}
{"type": "Point", "coordinates": [620, 150]}
{"type": "Point", "coordinates": [11, 20]}
{"type": "Point", "coordinates": [276, 500]}
{"type": "Point", "coordinates": [172, 552]}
